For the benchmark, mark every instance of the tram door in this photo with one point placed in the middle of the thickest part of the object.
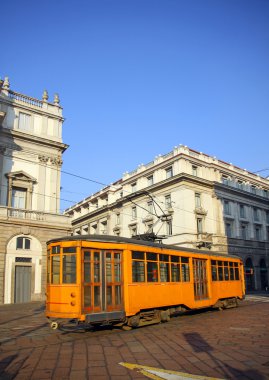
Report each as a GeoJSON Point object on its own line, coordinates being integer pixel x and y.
{"type": "Point", "coordinates": [102, 280]}
{"type": "Point", "coordinates": [200, 279]}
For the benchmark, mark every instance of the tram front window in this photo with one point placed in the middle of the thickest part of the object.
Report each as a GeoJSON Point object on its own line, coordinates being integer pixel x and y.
{"type": "Point", "coordinates": [55, 269]}
{"type": "Point", "coordinates": [69, 265]}
{"type": "Point", "coordinates": [69, 269]}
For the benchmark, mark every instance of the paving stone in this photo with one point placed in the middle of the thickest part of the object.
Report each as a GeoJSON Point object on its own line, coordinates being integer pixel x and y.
{"type": "Point", "coordinates": [232, 344]}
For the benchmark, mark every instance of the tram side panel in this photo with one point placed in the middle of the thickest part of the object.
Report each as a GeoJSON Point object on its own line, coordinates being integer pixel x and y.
{"type": "Point", "coordinates": [226, 279]}
{"type": "Point", "coordinates": [201, 287]}
{"type": "Point", "coordinates": [63, 298]}
{"type": "Point", "coordinates": [141, 294]}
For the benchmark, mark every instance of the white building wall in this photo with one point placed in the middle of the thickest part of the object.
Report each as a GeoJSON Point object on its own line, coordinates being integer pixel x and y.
{"type": "Point", "coordinates": [27, 157]}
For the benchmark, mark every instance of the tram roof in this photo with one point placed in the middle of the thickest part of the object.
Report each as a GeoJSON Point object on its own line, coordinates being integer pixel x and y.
{"type": "Point", "coordinates": [124, 240]}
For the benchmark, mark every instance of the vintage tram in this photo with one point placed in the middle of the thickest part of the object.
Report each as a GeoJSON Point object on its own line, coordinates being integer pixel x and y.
{"type": "Point", "coordinates": [100, 280]}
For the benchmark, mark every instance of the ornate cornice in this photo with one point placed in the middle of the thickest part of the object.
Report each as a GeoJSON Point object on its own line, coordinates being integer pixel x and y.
{"type": "Point", "coordinates": [39, 140]}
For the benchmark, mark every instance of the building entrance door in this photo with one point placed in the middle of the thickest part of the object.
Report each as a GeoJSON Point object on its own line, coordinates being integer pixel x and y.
{"type": "Point", "coordinates": [22, 284]}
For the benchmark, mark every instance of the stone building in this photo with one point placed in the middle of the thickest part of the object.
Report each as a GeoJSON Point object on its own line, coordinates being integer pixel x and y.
{"type": "Point", "coordinates": [190, 199]}
{"type": "Point", "coordinates": [31, 151]}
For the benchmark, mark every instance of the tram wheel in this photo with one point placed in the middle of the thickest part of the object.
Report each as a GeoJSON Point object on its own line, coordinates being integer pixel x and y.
{"type": "Point", "coordinates": [54, 325]}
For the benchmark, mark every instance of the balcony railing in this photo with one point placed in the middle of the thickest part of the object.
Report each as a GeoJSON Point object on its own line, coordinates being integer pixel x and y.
{"type": "Point", "coordinates": [25, 214]}
{"type": "Point", "coordinates": [25, 98]}
{"type": "Point", "coordinates": [8, 213]}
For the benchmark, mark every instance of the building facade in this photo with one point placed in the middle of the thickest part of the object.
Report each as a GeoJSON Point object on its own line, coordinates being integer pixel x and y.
{"type": "Point", "coordinates": [190, 199]}
{"type": "Point", "coordinates": [31, 151]}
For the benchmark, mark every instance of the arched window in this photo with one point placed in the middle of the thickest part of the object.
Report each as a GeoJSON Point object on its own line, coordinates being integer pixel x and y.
{"type": "Point", "coordinates": [23, 243]}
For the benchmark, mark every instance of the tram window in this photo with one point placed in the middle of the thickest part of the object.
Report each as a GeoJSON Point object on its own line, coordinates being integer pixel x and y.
{"type": "Point", "coordinates": [48, 269]}
{"type": "Point", "coordinates": [108, 272]}
{"type": "Point", "coordinates": [136, 255]}
{"type": "Point", "coordinates": [96, 271]}
{"type": "Point", "coordinates": [152, 271]}
{"type": "Point", "coordinates": [117, 256]}
{"type": "Point", "coordinates": [87, 267]}
{"type": "Point", "coordinates": [87, 272]}
{"type": "Point", "coordinates": [87, 255]}
{"type": "Point", "coordinates": [152, 256]}
{"type": "Point", "coordinates": [69, 249]}
{"type": "Point", "coordinates": [164, 268]}
{"type": "Point", "coordinates": [231, 270]}
{"type": "Point", "coordinates": [175, 259]}
{"type": "Point", "coordinates": [117, 272]}
{"type": "Point", "coordinates": [214, 272]}
{"type": "Point", "coordinates": [185, 269]}
{"type": "Point", "coordinates": [87, 296]}
{"type": "Point", "coordinates": [96, 256]}
{"type": "Point", "coordinates": [117, 294]}
{"type": "Point", "coordinates": [164, 272]}
{"type": "Point", "coordinates": [97, 296]}
{"type": "Point", "coordinates": [226, 273]}
{"type": "Point", "coordinates": [164, 257]}
{"type": "Point", "coordinates": [236, 271]}
{"type": "Point", "coordinates": [69, 269]}
{"type": "Point", "coordinates": [55, 268]}
{"type": "Point", "coordinates": [175, 272]}
{"type": "Point", "coordinates": [55, 249]}
{"type": "Point", "coordinates": [109, 295]}
{"type": "Point", "coordinates": [220, 271]}
{"type": "Point", "coordinates": [108, 266]}
{"type": "Point", "coordinates": [138, 271]}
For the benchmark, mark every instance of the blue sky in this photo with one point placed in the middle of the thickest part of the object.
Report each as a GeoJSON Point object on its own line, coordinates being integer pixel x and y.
{"type": "Point", "coordinates": [137, 77]}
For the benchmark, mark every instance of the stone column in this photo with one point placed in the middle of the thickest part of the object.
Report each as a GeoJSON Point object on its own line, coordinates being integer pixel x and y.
{"type": "Point", "coordinates": [56, 164]}
{"type": "Point", "coordinates": [42, 178]}
{"type": "Point", "coordinates": [2, 192]}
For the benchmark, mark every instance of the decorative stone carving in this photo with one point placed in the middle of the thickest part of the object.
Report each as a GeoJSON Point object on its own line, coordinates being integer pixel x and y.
{"type": "Point", "coordinates": [25, 230]}
{"type": "Point", "coordinates": [200, 211]}
{"type": "Point", "coordinates": [43, 159]}
{"type": "Point", "coordinates": [6, 84]}
{"type": "Point", "coordinates": [45, 96]}
{"type": "Point", "coordinates": [56, 99]}
{"type": "Point", "coordinates": [56, 161]}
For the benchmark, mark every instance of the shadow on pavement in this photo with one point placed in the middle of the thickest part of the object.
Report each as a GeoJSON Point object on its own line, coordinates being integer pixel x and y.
{"type": "Point", "coordinates": [198, 344]}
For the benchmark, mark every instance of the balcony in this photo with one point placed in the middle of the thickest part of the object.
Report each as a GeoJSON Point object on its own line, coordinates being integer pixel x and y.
{"type": "Point", "coordinates": [34, 216]}
{"type": "Point", "coordinates": [204, 240]}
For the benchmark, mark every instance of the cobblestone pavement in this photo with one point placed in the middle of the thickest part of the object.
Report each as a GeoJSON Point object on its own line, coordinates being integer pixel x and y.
{"type": "Point", "coordinates": [229, 344]}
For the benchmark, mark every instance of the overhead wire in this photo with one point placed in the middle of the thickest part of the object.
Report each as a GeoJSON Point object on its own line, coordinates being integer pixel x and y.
{"type": "Point", "coordinates": [106, 185]}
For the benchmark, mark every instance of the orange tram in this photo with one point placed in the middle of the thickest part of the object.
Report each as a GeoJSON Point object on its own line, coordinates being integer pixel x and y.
{"type": "Point", "coordinates": [101, 280]}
